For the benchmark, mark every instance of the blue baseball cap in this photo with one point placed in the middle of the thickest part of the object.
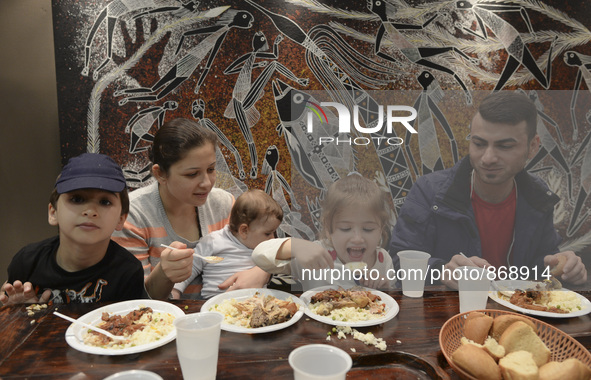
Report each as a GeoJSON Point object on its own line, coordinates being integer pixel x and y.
{"type": "Point", "coordinates": [91, 171]}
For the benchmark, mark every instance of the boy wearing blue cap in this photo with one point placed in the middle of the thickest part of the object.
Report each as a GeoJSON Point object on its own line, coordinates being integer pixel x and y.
{"type": "Point", "coordinates": [82, 264]}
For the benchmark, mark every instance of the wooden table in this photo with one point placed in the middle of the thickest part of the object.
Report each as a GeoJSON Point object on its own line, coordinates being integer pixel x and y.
{"type": "Point", "coordinates": [39, 350]}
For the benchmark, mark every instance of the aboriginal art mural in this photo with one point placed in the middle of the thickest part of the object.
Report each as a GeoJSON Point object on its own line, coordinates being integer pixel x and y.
{"type": "Point", "coordinates": [259, 74]}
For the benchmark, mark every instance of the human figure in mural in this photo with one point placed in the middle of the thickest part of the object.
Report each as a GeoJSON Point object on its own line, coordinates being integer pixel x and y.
{"type": "Point", "coordinates": [190, 61]}
{"type": "Point", "coordinates": [416, 55]}
{"type": "Point", "coordinates": [583, 62]}
{"type": "Point", "coordinates": [275, 186]}
{"type": "Point", "coordinates": [198, 111]}
{"type": "Point", "coordinates": [486, 17]}
{"type": "Point", "coordinates": [427, 113]}
{"type": "Point", "coordinates": [548, 144]}
{"type": "Point", "coordinates": [246, 93]}
{"type": "Point", "coordinates": [342, 86]}
{"type": "Point", "coordinates": [114, 11]}
{"type": "Point", "coordinates": [141, 123]}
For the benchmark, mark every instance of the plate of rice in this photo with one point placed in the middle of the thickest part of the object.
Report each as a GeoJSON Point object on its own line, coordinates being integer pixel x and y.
{"type": "Point", "coordinates": [355, 307]}
{"type": "Point", "coordinates": [571, 303]}
{"type": "Point", "coordinates": [150, 325]}
{"type": "Point", "coordinates": [265, 309]}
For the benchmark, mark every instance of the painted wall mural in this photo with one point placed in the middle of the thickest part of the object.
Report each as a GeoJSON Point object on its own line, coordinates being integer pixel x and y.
{"type": "Point", "coordinates": [255, 72]}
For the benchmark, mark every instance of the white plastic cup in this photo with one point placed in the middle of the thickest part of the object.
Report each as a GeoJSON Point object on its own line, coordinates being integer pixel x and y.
{"type": "Point", "coordinates": [319, 362]}
{"type": "Point", "coordinates": [197, 344]}
{"type": "Point", "coordinates": [413, 265]}
{"type": "Point", "coordinates": [134, 374]}
{"type": "Point", "coordinates": [473, 285]}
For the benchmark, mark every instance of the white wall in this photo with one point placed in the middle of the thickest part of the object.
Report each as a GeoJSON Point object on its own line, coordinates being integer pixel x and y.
{"type": "Point", "coordinates": [29, 140]}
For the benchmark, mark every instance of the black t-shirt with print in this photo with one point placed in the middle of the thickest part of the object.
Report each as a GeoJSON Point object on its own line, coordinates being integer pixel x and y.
{"type": "Point", "coordinates": [118, 276]}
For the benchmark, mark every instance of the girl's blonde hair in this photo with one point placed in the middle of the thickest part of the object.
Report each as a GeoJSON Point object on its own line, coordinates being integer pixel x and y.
{"type": "Point", "coordinates": [355, 190]}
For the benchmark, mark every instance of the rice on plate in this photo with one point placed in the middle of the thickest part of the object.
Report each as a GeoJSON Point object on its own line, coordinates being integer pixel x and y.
{"type": "Point", "coordinates": [141, 326]}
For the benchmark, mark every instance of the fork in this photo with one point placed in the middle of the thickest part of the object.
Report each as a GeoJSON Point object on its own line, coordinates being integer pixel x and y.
{"type": "Point", "coordinates": [91, 327]}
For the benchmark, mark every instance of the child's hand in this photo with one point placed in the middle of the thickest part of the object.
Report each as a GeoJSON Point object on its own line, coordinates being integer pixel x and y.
{"type": "Point", "coordinates": [310, 255]}
{"type": "Point", "coordinates": [21, 293]}
{"type": "Point", "coordinates": [254, 277]}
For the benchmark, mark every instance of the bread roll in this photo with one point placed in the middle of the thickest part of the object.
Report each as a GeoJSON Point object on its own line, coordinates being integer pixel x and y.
{"type": "Point", "coordinates": [477, 326]}
{"type": "Point", "coordinates": [490, 346]}
{"type": "Point", "coordinates": [571, 369]}
{"type": "Point", "coordinates": [520, 336]}
{"type": "Point", "coordinates": [501, 323]}
{"type": "Point", "coordinates": [519, 365]}
{"type": "Point", "coordinates": [476, 362]}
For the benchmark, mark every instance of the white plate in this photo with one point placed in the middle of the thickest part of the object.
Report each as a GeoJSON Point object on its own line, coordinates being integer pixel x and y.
{"type": "Point", "coordinates": [243, 294]}
{"type": "Point", "coordinates": [391, 308]}
{"type": "Point", "coordinates": [520, 284]}
{"type": "Point", "coordinates": [74, 332]}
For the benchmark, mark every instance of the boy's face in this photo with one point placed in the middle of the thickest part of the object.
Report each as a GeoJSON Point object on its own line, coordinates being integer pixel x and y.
{"type": "Point", "coordinates": [87, 216]}
{"type": "Point", "coordinates": [258, 231]}
{"type": "Point", "coordinates": [356, 234]}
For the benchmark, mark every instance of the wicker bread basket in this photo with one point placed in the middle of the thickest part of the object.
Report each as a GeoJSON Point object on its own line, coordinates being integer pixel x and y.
{"type": "Point", "coordinates": [561, 345]}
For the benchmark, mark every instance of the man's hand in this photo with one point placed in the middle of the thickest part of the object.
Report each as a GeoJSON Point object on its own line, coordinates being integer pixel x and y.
{"type": "Point", "coordinates": [21, 293]}
{"type": "Point", "coordinates": [254, 277]}
{"type": "Point", "coordinates": [574, 270]}
{"type": "Point", "coordinates": [461, 261]}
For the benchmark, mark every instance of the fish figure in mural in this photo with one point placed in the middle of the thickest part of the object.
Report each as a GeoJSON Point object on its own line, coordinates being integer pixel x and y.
{"type": "Point", "coordinates": [342, 86]}
{"type": "Point", "coordinates": [275, 185]}
{"type": "Point", "coordinates": [118, 8]}
{"type": "Point", "coordinates": [318, 163]}
{"type": "Point", "coordinates": [246, 93]}
{"type": "Point", "coordinates": [198, 111]}
{"type": "Point", "coordinates": [427, 110]}
{"type": "Point", "coordinates": [185, 66]}
{"type": "Point", "coordinates": [416, 55]}
{"type": "Point", "coordinates": [141, 123]}
{"type": "Point", "coordinates": [548, 145]}
{"type": "Point", "coordinates": [583, 62]}
{"type": "Point", "coordinates": [519, 54]}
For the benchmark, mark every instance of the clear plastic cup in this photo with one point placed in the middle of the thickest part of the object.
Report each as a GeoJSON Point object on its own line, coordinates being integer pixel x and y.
{"type": "Point", "coordinates": [197, 344]}
{"type": "Point", "coordinates": [319, 362]}
{"type": "Point", "coordinates": [473, 286]}
{"type": "Point", "coordinates": [413, 265]}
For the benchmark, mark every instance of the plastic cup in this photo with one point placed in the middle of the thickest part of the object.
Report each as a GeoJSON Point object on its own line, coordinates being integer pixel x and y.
{"type": "Point", "coordinates": [319, 362]}
{"type": "Point", "coordinates": [197, 344]}
{"type": "Point", "coordinates": [413, 265]}
{"type": "Point", "coordinates": [134, 374]}
{"type": "Point", "coordinates": [473, 286]}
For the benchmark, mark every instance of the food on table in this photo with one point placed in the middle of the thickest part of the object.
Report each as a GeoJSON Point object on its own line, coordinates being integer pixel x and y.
{"type": "Point", "coordinates": [519, 365]}
{"type": "Point", "coordinates": [140, 326]}
{"type": "Point", "coordinates": [572, 369]}
{"type": "Point", "coordinates": [542, 297]}
{"type": "Point", "coordinates": [476, 362]}
{"type": "Point", "coordinates": [367, 338]}
{"type": "Point", "coordinates": [256, 311]}
{"type": "Point", "coordinates": [477, 326]}
{"type": "Point", "coordinates": [352, 305]}
{"type": "Point", "coordinates": [519, 336]}
{"type": "Point", "coordinates": [502, 322]}
{"type": "Point", "coordinates": [513, 342]}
